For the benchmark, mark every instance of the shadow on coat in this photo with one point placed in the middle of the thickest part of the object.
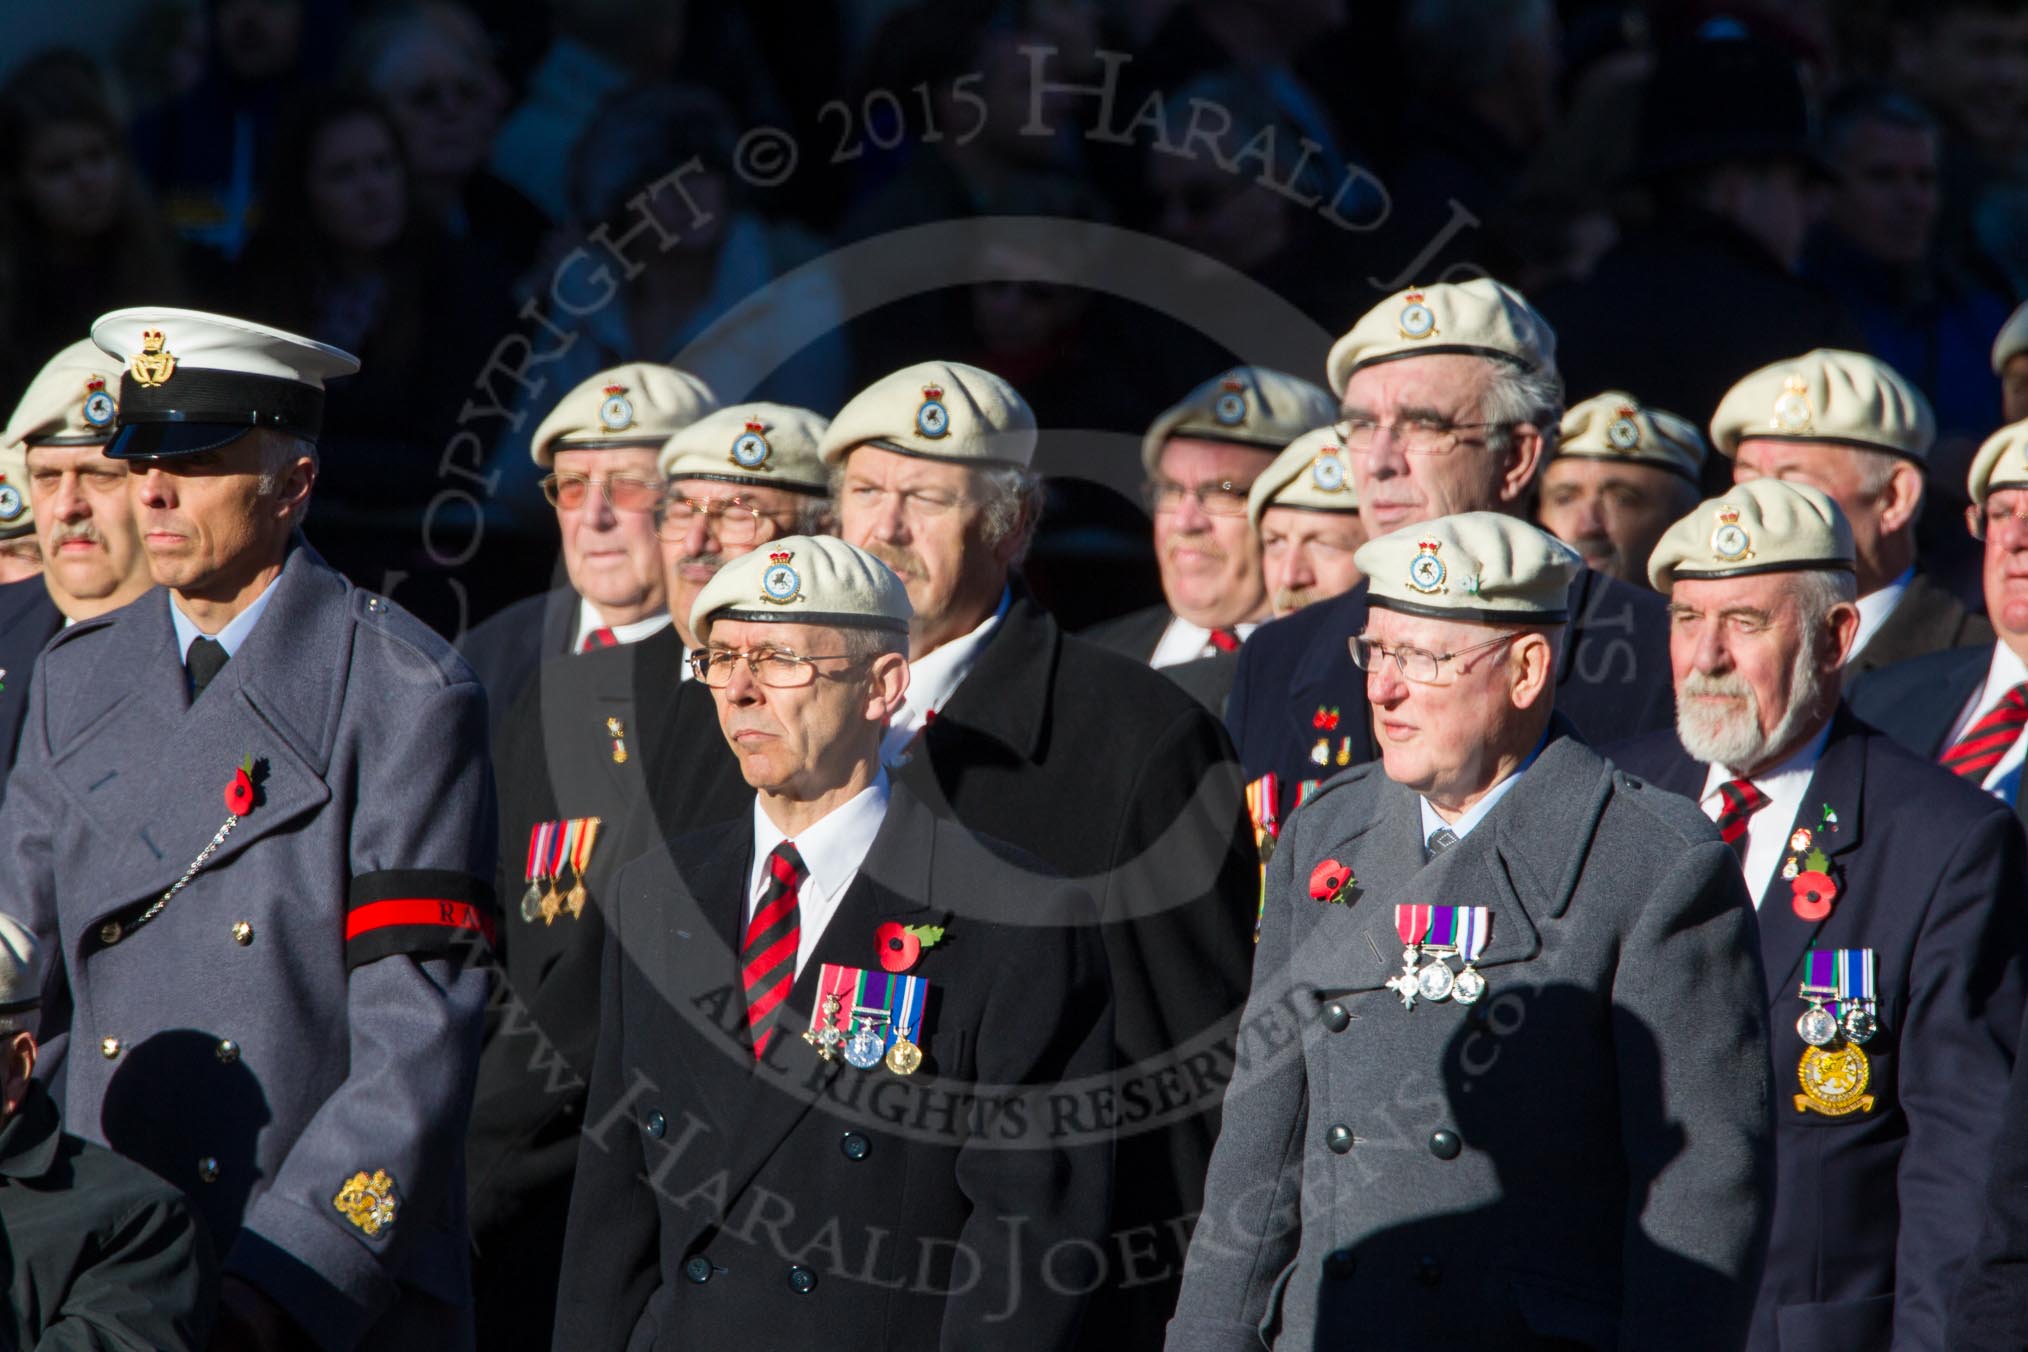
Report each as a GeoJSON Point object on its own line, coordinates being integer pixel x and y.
{"type": "Point", "coordinates": [207, 1142]}
{"type": "Point", "coordinates": [1545, 1267]}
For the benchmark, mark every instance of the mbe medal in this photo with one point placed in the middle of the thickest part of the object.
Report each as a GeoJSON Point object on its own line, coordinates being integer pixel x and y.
{"type": "Point", "coordinates": [1411, 923]}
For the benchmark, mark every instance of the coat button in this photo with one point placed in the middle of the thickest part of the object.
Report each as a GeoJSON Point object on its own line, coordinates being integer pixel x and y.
{"type": "Point", "coordinates": [109, 1047]}
{"type": "Point", "coordinates": [1337, 1018]}
{"type": "Point", "coordinates": [1427, 1273]}
{"type": "Point", "coordinates": [1339, 1263]}
{"type": "Point", "coordinates": [1339, 1139]}
{"type": "Point", "coordinates": [698, 1269]}
{"type": "Point", "coordinates": [855, 1146]}
{"type": "Point", "coordinates": [1445, 1145]}
{"type": "Point", "coordinates": [207, 1169]}
{"type": "Point", "coordinates": [802, 1280]}
{"type": "Point", "coordinates": [110, 932]}
{"type": "Point", "coordinates": [242, 933]}
{"type": "Point", "coordinates": [228, 1050]}
{"type": "Point", "coordinates": [657, 1124]}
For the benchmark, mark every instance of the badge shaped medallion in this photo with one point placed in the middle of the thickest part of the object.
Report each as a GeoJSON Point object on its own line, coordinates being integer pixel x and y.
{"type": "Point", "coordinates": [1327, 472]}
{"type": "Point", "coordinates": [750, 449]}
{"type": "Point", "coordinates": [368, 1201]}
{"type": "Point", "coordinates": [1834, 1082]}
{"type": "Point", "coordinates": [933, 420]}
{"type": "Point", "coordinates": [780, 584]}
{"type": "Point", "coordinates": [99, 408]}
{"type": "Point", "coordinates": [1426, 571]}
{"type": "Point", "coordinates": [1792, 411]}
{"type": "Point", "coordinates": [1416, 321]}
{"type": "Point", "coordinates": [1729, 541]}
{"type": "Point", "coordinates": [154, 363]}
{"type": "Point", "coordinates": [11, 504]}
{"type": "Point", "coordinates": [1623, 433]}
{"type": "Point", "coordinates": [1229, 408]}
{"type": "Point", "coordinates": [616, 411]}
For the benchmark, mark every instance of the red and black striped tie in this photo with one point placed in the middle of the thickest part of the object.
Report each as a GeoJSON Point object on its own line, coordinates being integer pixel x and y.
{"type": "Point", "coordinates": [768, 960]}
{"type": "Point", "coordinates": [1742, 800]}
{"type": "Point", "coordinates": [1225, 640]}
{"type": "Point", "coordinates": [1989, 739]}
{"type": "Point", "coordinates": [597, 639]}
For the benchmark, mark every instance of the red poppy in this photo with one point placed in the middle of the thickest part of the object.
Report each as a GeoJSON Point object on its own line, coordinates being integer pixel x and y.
{"type": "Point", "coordinates": [898, 948]}
{"type": "Point", "coordinates": [1329, 879]}
{"type": "Point", "coordinates": [239, 795]}
{"type": "Point", "coordinates": [1814, 893]}
{"type": "Point", "coordinates": [1324, 720]}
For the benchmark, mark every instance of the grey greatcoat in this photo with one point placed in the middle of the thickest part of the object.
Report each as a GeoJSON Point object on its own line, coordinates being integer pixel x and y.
{"type": "Point", "coordinates": [1583, 1158]}
{"type": "Point", "coordinates": [301, 1013]}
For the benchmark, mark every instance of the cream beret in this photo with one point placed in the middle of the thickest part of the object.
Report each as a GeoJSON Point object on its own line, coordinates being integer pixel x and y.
{"type": "Point", "coordinates": [1760, 526]}
{"type": "Point", "coordinates": [2002, 462]}
{"type": "Point", "coordinates": [639, 404]}
{"type": "Point", "coordinates": [1481, 317]}
{"type": "Point", "coordinates": [805, 579]}
{"type": "Point", "coordinates": [1614, 426]}
{"type": "Point", "coordinates": [73, 400]}
{"type": "Point", "coordinates": [20, 967]}
{"type": "Point", "coordinates": [1314, 472]}
{"type": "Point", "coordinates": [1828, 395]}
{"type": "Point", "coordinates": [768, 445]}
{"type": "Point", "coordinates": [1248, 406]}
{"type": "Point", "coordinates": [1482, 566]}
{"type": "Point", "coordinates": [2012, 340]}
{"type": "Point", "coordinates": [941, 410]}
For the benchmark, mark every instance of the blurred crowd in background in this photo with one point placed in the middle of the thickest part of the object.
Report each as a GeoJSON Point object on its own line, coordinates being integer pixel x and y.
{"type": "Point", "coordinates": [1687, 188]}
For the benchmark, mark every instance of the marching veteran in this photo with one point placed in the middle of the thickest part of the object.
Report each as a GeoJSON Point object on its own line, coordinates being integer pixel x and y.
{"type": "Point", "coordinates": [1891, 929]}
{"type": "Point", "coordinates": [252, 813]}
{"type": "Point", "coordinates": [1503, 1077]}
{"type": "Point", "coordinates": [1622, 474]}
{"type": "Point", "coordinates": [827, 1029]}
{"type": "Point", "coordinates": [601, 757]}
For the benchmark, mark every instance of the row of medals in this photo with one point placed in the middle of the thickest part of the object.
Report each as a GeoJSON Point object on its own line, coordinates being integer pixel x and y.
{"type": "Point", "coordinates": [862, 1050]}
{"type": "Point", "coordinates": [547, 905]}
{"type": "Point", "coordinates": [1834, 1080]}
{"type": "Point", "coordinates": [1436, 981]}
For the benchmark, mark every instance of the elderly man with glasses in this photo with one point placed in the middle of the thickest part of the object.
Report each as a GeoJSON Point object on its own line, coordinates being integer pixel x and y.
{"type": "Point", "coordinates": [1451, 403]}
{"type": "Point", "coordinates": [1546, 1123]}
{"type": "Point", "coordinates": [599, 445]}
{"type": "Point", "coordinates": [601, 757]}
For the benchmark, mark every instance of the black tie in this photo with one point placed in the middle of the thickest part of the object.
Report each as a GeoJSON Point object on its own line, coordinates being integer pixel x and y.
{"type": "Point", "coordinates": [1440, 840]}
{"type": "Point", "coordinates": [207, 658]}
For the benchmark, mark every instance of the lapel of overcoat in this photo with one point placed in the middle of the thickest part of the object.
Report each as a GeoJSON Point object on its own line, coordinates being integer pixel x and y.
{"type": "Point", "coordinates": [1839, 783]}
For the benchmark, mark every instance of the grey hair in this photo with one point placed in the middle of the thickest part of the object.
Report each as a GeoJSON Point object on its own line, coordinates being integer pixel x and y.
{"type": "Point", "coordinates": [279, 450]}
{"type": "Point", "coordinates": [1816, 591]}
{"type": "Point", "coordinates": [1876, 468]}
{"type": "Point", "coordinates": [863, 644]}
{"type": "Point", "coordinates": [814, 516]}
{"type": "Point", "coordinates": [1517, 394]}
{"type": "Point", "coordinates": [1011, 496]}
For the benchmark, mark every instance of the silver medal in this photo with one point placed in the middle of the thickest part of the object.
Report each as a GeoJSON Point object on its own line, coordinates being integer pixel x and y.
{"type": "Point", "coordinates": [1860, 1025]}
{"type": "Point", "coordinates": [865, 1047]}
{"type": "Point", "coordinates": [1818, 1026]}
{"type": "Point", "coordinates": [531, 903]}
{"type": "Point", "coordinates": [1469, 986]}
{"type": "Point", "coordinates": [1435, 981]}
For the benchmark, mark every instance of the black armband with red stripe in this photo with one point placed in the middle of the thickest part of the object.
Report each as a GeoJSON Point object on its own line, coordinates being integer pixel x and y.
{"type": "Point", "coordinates": [420, 912]}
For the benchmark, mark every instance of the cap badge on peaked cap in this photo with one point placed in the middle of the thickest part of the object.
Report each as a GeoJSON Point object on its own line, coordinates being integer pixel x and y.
{"type": "Point", "coordinates": [1417, 321]}
{"type": "Point", "coordinates": [1426, 571]}
{"type": "Point", "coordinates": [1229, 408]}
{"type": "Point", "coordinates": [154, 363]}
{"type": "Point", "coordinates": [616, 411]}
{"type": "Point", "coordinates": [750, 449]}
{"type": "Point", "coordinates": [780, 584]}
{"type": "Point", "coordinates": [1729, 541]}
{"type": "Point", "coordinates": [1792, 412]}
{"type": "Point", "coordinates": [933, 420]}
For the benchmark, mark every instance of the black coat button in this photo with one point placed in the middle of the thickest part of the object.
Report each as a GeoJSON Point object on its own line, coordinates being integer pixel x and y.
{"type": "Point", "coordinates": [698, 1269]}
{"type": "Point", "coordinates": [1445, 1145]}
{"type": "Point", "coordinates": [1337, 1018]}
{"type": "Point", "coordinates": [1339, 1139]}
{"type": "Point", "coordinates": [802, 1280]}
{"type": "Point", "coordinates": [656, 1123]}
{"type": "Point", "coordinates": [1427, 1273]}
{"type": "Point", "coordinates": [1338, 1264]}
{"type": "Point", "coordinates": [855, 1146]}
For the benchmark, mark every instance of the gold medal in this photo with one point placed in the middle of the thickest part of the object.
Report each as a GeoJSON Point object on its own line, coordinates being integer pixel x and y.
{"type": "Point", "coordinates": [904, 1056]}
{"type": "Point", "coordinates": [551, 904]}
{"type": "Point", "coordinates": [1834, 1082]}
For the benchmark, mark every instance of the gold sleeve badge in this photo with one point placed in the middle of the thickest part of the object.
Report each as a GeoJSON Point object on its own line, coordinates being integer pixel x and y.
{"type": "Point", "coordinates": [367, 1201]}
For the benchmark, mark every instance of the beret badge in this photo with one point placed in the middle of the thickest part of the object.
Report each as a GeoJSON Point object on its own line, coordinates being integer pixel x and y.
{"type": "Point", "coordinates": [1729, 541]}
{"type": "Point", "coordinates": [1229, 408]}
{"type": "Point", "coordinates": [1623, 433]}
{"type": "Point", "coordinates": [933, 420]}
{"type": "Point", "coordinates": [1792, 412]}
{"type": "Point", "coordinates": [99, 408]}
{"type": "Point", "coordinates": [1426, 571]}
{"type": "Point", "coordinates": [616, 411]}
{"type": "Point", "coordinates": [1327, 471]}
{"type": "Point", "coordinates": [750, 449]}
{"type": "Point", "coordinates": [1416, 321]}
{"type": "Point", "coordinates": [780, 584]}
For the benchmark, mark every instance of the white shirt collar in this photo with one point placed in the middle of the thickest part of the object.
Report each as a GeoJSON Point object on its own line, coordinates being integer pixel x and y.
{"type": "Point", "coordinates": [1767, 831]}
{"type": "Point", "coordinates": [1875, 607]}
{"type": "Point", "coordinates": [1462, 827]}
{"type": "Point", "coordinates": [230, 637]}
{"type": "Point", "coordinates": [832, 850]}
{"type": "Point", "coordinates": [1184, 642]}
{"type": "Point", "coordinates": [589, 619]}
{"type": "Point", "coordinates": [934, 678]}
{"type": "Point", "coordinates": [2003, 673]}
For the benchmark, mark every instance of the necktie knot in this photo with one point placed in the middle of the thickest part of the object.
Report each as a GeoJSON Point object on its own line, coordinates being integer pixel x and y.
{"type": "Point", "coordinates": [1440, 840]}
{"type": "Point", "coordinates": [206, 658]}
{"type": "Point", "coordinates": [1225, 640]}
{"type": "Point", "coordinates": [599, 638]}
{"type": "Point", "coordinates": [1742, 798]}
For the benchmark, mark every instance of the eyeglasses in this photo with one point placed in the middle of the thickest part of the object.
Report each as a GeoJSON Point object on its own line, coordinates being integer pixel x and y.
{"type": "Point", "coordinates": [734, 522]}
{"type": "Point", "coordinates": [1987, 520]}
{"type": "Point", "coordinates": [1224, 498]}
{"type": "Point", "coordinates": [1415, 664]}
{"type": "Point", "coordinates": [623, 492]}
{"type": "Point", "coordinates": [1414, 436]}
{"type": "Point", "coordinates": [776, 668]}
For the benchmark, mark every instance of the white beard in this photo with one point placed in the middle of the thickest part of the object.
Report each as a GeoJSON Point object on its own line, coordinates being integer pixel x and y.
{"type": "Point", "coordinates": [1733, 738]}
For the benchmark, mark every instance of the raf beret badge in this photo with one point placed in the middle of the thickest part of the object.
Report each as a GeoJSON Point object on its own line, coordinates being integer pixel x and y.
{"type": "Point", "coordinates": [780, 584]}
{"type": "Point", "coordinates": [1623, 433]}
{"type": "Point", "coordinates": [99, 408]}
{"type": "Point", "coordinates": [1426, 570]}
{"type": "Point", "coordinates": [1730, 542]}
{"type": "Point", "coordinates": [1327, 471]}
{"type": "Point", "coordinates": [1230, 406]}
{"type": "Point", "coordinates": [616, 411]}
{"type": "Point", "coordinates": [1417, 320]}
{"type": "Point", "coordinates": [750, 449]}
{"type": "Point", "coordinates": [1792, 412]}
{"type": "Point", "coordinates": [933, 420]}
